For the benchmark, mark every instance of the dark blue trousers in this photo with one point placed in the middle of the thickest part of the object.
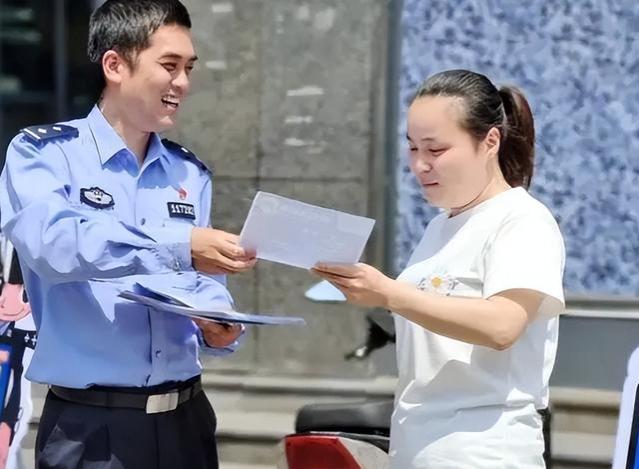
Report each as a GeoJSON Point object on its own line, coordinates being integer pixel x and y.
{"type": "Point", "coordinates": [78, 436]}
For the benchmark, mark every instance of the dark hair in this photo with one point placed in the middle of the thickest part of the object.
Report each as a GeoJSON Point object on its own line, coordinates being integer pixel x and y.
{"type": "Point", "coordinates": [127, 25]}
{"type": "Point", "coordinates": [486, 107]}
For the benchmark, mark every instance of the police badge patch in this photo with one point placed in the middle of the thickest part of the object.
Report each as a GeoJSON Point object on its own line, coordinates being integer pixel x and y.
{"type": "Point", "coordinates": [96, 198]}
{"type": "Point", "coordinates": [178, 210]}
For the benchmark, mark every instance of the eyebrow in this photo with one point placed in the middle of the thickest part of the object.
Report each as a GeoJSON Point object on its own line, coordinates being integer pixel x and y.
{"type": "Point", "coordinates": [423, 139]}
{"type": "Point", "coordinates": [171, 55]}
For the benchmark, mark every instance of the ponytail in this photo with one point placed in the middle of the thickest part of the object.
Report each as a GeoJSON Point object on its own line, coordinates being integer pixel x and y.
{"type": "Point", "coordinates": [517, 147]}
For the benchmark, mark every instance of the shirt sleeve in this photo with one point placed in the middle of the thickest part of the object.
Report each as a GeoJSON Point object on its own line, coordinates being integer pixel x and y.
{"type": "Point", "coordinates": [200, 291]}
{"type": "Point", "coordinates": [527, 253]}
{"type": "Point", "coordinates": [62, 242]}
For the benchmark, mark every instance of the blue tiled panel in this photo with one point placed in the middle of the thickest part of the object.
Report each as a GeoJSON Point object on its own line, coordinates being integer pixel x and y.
{"type": "Point", "coordinates": [578, 62]}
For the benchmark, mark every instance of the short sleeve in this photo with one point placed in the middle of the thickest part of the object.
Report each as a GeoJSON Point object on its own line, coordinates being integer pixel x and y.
{"type": "Point", "coordinates": [527, 252]}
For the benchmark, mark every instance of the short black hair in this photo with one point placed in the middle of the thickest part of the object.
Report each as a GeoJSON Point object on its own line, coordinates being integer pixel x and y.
{"type": "Point", "coordinates": [127, 25]}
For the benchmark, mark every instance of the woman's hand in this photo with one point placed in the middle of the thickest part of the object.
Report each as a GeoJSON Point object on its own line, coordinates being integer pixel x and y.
{"type": "Point", "coordinates": [362, 284]}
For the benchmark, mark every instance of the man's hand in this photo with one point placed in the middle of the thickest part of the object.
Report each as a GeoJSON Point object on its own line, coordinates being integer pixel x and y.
{"type": "Point", "coordinates": [219, 252]}
{"type": "Point", "coordinates": [218, 335]}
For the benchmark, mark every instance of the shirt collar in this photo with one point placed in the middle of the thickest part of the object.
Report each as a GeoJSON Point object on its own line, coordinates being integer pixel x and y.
{"type": "Point", "coordinates": [167, 160]}
{"type": "Point", "coordinates": [155, 150]}
{"type": "Point", "coordinates": [109, 143]}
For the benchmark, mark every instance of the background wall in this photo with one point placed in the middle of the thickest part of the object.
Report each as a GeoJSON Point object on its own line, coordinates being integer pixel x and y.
{"type": "Point", "coordinates": [286, 100]}
{"type": "Point", "coordinates": [578, 62]}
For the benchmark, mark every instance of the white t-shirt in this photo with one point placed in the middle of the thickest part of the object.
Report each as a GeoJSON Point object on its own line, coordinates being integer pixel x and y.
{"type": "Point", "coordinates": [461, 405]}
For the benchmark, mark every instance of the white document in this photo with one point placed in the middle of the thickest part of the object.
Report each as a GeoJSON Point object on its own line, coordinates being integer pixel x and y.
{"type": "Point", "coordinates": [301, 235]}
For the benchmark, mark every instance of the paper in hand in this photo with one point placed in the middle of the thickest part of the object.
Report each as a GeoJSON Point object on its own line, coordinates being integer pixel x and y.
{"type": "Point", "coordinates": [301, 235]}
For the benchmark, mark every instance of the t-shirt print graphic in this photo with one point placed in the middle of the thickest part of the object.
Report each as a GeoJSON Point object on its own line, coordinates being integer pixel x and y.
{"type": "Point", "coordinates": [442, 284]}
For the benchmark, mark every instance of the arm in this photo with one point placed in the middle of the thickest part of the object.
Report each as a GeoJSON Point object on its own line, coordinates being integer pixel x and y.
{"type": "Point", "coordinates": [522, 279]}
{"type": "Point", "coordinates": [65, 243]}
{"type": "Point", "coordinates": [215, 339]}
{"type": "Point", "coordinates": [494, 322]}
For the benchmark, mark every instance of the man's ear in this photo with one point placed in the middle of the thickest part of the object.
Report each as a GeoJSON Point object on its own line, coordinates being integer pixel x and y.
{"type": "Point", "coordinates": [492, 141]}
{"type": "Point", "coordinates": [113, 65]}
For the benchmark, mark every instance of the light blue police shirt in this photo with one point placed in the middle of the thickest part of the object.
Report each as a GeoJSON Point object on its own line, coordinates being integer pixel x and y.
{"type": "Point", "coordinates": [88, 222]}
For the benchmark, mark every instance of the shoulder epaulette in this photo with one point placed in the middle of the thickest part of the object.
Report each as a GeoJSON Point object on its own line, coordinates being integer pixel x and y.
{"type": "Point", "coordinates": [185, 153]}
{"type": "Point", "coordinates": [40, 134]}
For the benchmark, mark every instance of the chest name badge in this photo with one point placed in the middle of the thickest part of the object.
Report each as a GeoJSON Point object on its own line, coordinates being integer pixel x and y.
{"type": "Point", "coordinates": [96, 198]}
{"type": "Point", "coordinates": [178, 210]}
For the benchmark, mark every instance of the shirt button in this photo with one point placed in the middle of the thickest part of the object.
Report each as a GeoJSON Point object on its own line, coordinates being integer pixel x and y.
{"type": "Point", "coordinates": [143, 221]}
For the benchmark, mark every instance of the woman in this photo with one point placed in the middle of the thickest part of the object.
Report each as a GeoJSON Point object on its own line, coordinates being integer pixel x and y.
{"type": "Point", "coordinates": [476, 308]}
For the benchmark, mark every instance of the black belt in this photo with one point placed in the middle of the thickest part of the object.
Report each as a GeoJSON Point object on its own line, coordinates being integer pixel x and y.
{"type": "Point", "coordinates": [151, 403]}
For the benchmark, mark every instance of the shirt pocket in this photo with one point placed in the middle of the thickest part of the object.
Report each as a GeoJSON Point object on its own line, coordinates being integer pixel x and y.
{"type": "Point", "coordinates": [94, 213]}
{"type": "Point", "coordinates": [169, 221]}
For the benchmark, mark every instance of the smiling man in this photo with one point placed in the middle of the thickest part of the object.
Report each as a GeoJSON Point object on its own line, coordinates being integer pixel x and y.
{"type": "Point", "coordinates": [94, 206]}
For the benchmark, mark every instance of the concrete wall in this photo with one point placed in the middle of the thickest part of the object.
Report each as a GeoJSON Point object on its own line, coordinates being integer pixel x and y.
{"type": "Point", "coordinates": [286, 100]}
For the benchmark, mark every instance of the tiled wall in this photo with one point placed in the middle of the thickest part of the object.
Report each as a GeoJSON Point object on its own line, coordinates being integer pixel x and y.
{"type": "Point", "coordinates": [578, 62]}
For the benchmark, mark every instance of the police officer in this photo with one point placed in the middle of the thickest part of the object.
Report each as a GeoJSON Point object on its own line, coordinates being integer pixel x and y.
{"type": "Point", "coordinates": [93, 206]}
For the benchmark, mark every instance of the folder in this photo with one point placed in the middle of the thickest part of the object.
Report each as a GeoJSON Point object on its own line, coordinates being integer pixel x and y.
{"type": "Point", "coordinates": [222, 313]}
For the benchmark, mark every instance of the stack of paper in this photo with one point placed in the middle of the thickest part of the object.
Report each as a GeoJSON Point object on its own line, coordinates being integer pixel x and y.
{"type": "Point", "coordinates": [219, 313]}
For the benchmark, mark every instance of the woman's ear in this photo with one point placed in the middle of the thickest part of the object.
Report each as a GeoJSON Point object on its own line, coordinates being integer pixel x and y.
{"type": "Point", "coordinates": [492, 141]}
{"type": "Point", "coordinates": [112, 67]}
